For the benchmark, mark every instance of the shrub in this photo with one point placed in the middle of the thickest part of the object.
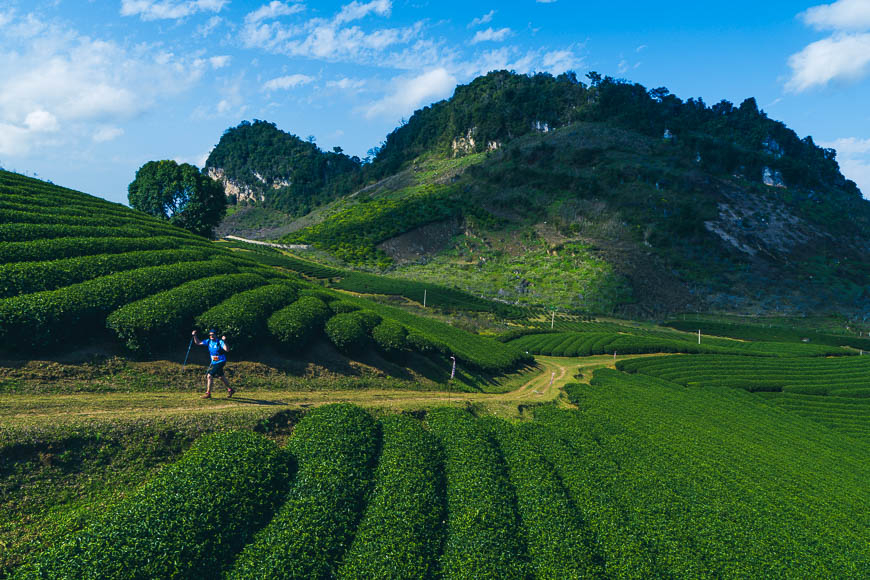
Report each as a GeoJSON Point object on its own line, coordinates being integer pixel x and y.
{"type": "Point", "coordinates": [401, 531]}
{"type": "Point", "coordinates": [45, 318]}
{"type": "Point", "coordinates": [147, 323]}
{"type": "Point", "coordinates": [57, 248]}
{"type": "Point", "coordinates": [559, 544]}
{"type": "Point", "coordinates": [22, 232]}
{"type": "Point", "coordinates": [294, 325]}
{"type": "Point", "coordinates": [243, 316]}
{"type": "Point", "coordinates": [336, 448]}
{"type": "Point", "coordinates": [347, 331]}
{"type": "Point", "coordinates": [188, 522]}
{"type": "Point", "coordinates": [340, 306]}
{"type": "Point", "coordinates": [28, 277]}
{"type": "Point", "coordinates": [390, 336]}
{"type": "Point", "coordinates": [482, 536]}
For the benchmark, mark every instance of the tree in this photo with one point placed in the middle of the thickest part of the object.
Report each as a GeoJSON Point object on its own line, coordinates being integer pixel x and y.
{"type": "Point", "coordinates": [179, 194]}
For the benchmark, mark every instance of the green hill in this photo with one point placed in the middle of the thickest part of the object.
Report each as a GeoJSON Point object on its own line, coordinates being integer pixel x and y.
{"type": "Point", "coordinates": [604, 197]}
{"type": "Point", "coordinates": [77, 270]}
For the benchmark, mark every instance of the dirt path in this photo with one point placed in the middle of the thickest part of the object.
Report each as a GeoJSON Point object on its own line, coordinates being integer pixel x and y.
{"type": "Point", "coordinates": [20, 410]}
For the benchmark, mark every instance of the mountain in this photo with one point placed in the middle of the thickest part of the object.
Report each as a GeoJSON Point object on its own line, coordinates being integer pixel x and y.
{"type": "Point", "coordinates": [260, 165]}
{"type": "Point", "coordinates": [606, 197]}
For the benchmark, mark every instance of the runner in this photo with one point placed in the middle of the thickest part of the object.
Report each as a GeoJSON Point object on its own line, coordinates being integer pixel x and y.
{"type": "Point", "coordinates": [217, 349]}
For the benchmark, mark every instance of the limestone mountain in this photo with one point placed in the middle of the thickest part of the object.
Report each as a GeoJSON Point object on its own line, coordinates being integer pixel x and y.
{"type": "Point", "coordinates": [604, 196]}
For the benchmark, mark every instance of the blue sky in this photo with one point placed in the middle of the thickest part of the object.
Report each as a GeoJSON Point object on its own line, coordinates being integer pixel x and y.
{"type": "Point", "coordinates": [91, 90]}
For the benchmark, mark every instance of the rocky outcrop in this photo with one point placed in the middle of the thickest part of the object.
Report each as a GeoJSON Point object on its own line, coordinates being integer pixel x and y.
{"type": "Point", "coordinates": [240, 191]}
{"type": "Point", "coordinates": [772, 177]}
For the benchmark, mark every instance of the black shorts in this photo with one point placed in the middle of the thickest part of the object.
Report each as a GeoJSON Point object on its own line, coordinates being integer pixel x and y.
{"type": "Point", "coordinates": [216, 369]}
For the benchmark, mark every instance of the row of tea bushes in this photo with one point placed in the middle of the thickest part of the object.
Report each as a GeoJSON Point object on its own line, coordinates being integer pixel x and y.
{"type": "Point", "coordinates": [149, 322]}
{"type": "Point", "coordinates": [336, 449]}
{"type": "Point", "coordinates": [188, 522]}
{"type": "Point", "coordinates": [46, 318]}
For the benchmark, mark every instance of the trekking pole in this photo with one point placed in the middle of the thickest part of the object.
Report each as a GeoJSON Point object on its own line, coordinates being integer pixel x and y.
{"type": "Point", "coordinates": [187, 355]}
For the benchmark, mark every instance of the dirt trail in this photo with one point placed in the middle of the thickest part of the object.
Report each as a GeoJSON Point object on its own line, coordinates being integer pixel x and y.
{"type": "Point", "coordinates": [17, 410]}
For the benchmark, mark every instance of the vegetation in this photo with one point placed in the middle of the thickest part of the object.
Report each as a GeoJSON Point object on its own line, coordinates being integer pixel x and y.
{"type": "Point", "coordinates": [179, 194]}
{"type": "Point", "coordinates": [293, 175]}
{"type": "Point", "coordinates": [768, 333]}
{"type": "Point", "coordinates": [483, 538]}
{"type": "Point", "coordinates": [592, 343]}
{"type": "Point", "coordinates": [187, 522]}
{"type": "Point", "coordinates": [243, 316]}
{"type": "Point", "coordinates": [149, 323]}
{"type": "Point", "coordinates": [294, 325]}
{"type": "Point", "coordinates": [336, 449]}
{"type": "Point", "coordinates": [401, 531]}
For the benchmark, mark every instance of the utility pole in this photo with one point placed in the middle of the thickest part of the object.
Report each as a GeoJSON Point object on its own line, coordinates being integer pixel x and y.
{"type": "Point", "coordinates": [552, 319]}
{"type": "Point", "coordinates": [699, 336]}
{"type": "Point", "coordinates": [424, 297]}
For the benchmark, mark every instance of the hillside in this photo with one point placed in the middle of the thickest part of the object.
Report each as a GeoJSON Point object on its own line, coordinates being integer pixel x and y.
{"type": "Point", "coordinates": [604, 197]}
{"type": "Point", "coordinates": [78, 273]}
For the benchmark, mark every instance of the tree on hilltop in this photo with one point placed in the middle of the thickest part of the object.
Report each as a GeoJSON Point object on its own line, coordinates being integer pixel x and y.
{"type": "Point", "coordinates": [180, 194]}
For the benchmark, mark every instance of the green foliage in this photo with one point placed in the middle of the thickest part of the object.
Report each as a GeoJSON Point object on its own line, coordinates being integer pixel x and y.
{"type": "Point", "coordinates": [429, 335]}
{"type": "Point", "coordinates": [436, 295]}
{"type": "Point", "coordinates": [558, 542]}
{"type": "Point", "coordinates": [401, 532]}
{"type": "Point", "coordinates": [148, 323]}
{"type": "Point", "coordinates": [58, 248]}
{"type": "Point", "coordinates": [483, 538]}
{"type": "Point", "coordinates": [294, 325]}
{"type": "Point", "coordinates": [179, 194]}
{"type": "Point", "coordinates": [390, 336]}
{"type": "Point", "coordinates": [28, 277]}
{"type": "Point", "coordinates": [768, 333]}
{"type": "Point", "coordinates": [79, 311]}
{"type": "Point", "coordinates": [242, 317]}
{"type": "Point", "coordinates": [347, 331]}
{"type": "Point", "coordinates": [295, 176]}
{"type": "Point", "coordinates": [188, 522]}
{"type": "Point", "coordinates": [336, 449]}
{"type": "Point", "coordinates": [341, 306]}
{"type": "Point", "coordinates": [352, 234]}
{"type": "Point", "coordinates": [18, 232]}
{"type": "Point", "coordinates": [737, 490]}
{"type": "Point", "coordinates": [592, 343]}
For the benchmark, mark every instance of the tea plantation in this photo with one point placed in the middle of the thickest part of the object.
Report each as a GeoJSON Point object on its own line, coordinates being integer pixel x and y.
{"type": "Point", "coordinates": [730, 458]}
{"type": "Point", "coordinates": [78, 270]}
{"type": "Point", "coordinates": [646, 479]}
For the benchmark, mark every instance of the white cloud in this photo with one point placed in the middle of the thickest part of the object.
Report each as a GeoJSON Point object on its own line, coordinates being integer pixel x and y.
{"type": "Point", "coordinates": [357, 10]}
{"type": "Point", "coordinates": [346, 84]}
{"type": "Point", "coordinates": [485, 19]}
{"type": "Point", "coordinates": [490, 35]}
{"type": "Point", "coordinates": [230, 105]}
{"type": "Point", "coordinates": [410, 93]}
{"type": "Point", "coordinates": [107, 133]}
{"type": "Point", "coordinates": [287, 82]}
{"type": "Point", "coordinates": [221, 61]}
{"type": "Point", "coordinates": [849, 146]}
{"type": "Point", "coordinates": [167, 9]}
{"type": "Point", "coordinates": [858, 170]}
{"type": "Point", "coordinates": [207, 28]}
{"type": "Point", "coordinates": [330, 39]}
{"type": "Point", "coordinates": [839, 57]}
{"type": "Point", "coordinates": [54, 78]}
{"type": "Point", "coordinates": [273, 10]}
{"type": "Point", "coordinates": [841, 15]}
{"type": "Point", "coordinates": [41, 122]}
{"type": "Point", "coordinates": [511, 58]}
{"type": "Point", "coordinates": [6, 17]}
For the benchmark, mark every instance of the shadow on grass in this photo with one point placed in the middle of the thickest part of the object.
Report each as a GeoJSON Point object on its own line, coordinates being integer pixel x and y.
{"type": "Point", "coordinates": [249, 401]}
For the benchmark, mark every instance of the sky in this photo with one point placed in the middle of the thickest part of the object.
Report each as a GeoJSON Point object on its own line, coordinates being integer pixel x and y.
{"type": "Point", "coordinates": [92, 90]}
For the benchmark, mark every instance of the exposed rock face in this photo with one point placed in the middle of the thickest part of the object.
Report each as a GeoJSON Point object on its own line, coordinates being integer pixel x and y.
{"type": "Point", "coordinates": [541, 126]}
{"type": "Point", "coordinates": [758, 226]}
{"type": "Point", "coordinates": [772, 177]}
{"type": "Point", "coordinates": [464, 145]}
{"type": "Point", "coordinates": [240, 191]}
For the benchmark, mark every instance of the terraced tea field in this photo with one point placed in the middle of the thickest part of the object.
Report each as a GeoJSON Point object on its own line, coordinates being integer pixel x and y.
{"type": "Point", "coordinates": [77, 269]}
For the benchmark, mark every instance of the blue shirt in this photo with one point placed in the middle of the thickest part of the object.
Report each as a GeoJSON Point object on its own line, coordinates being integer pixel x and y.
{"type": "Point", "coordinates": [215, 349]}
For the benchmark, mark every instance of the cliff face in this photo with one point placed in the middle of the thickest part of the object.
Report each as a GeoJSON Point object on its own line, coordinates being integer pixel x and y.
{"type": "Point", "coordinates": [240, 192]}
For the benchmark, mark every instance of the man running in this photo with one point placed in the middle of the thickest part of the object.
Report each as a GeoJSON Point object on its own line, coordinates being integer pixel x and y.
{"type": "Point", "coordinates": [217, 349]}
